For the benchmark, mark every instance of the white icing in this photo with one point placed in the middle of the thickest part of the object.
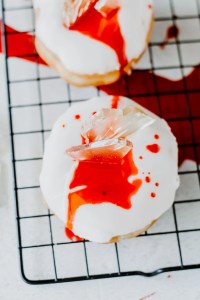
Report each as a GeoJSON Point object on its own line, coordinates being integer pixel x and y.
{"type": "Point", "coordinates": [101, 222]}
{"type": "Point", "coordinates": [82, 54]}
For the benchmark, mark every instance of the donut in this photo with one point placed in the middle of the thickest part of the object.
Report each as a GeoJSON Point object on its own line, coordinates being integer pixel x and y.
{"type": "Point", "coordinates": [110, 169]}
{"type": "Point", "coordinates": [92, 42]}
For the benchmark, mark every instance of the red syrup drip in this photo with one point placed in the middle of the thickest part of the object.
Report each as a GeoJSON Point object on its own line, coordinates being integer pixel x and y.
{"type": "Point", "coordinates": [172, 33]}
{"type": "Point", "coordinates": [154, 148]}
{"type": "Point", "coordinates": [156, 136]}
{"type": "Point", "coordinates": [103, 187]}
{"type": "Point", "coordinates": [115, 101]}
{"type": "Point", "coordinates": [21, 45]}
{"type": "Point", "coordinates": [105, 30]}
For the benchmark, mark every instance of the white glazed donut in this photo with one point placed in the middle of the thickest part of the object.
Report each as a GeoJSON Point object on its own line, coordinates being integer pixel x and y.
{"type": "Point", "coordinates": [82, 59]}
{"type": "Point", "coordinates": [154, 155]}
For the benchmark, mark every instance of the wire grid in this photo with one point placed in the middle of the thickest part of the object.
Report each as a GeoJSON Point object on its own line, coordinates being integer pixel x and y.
{"type": "Point", "coordinates": [42, 248]}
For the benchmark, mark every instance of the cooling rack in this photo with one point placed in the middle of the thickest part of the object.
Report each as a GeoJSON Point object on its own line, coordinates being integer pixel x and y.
{"type": "Point", "coordinates": [37, 96]}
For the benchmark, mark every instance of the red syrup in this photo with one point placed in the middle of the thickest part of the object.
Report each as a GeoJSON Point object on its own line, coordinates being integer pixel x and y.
{"type": "Point", "coordinates": [104, 188]}
{"type": "Point", "coordinates": [20, 44]}
{"type": "Point", "coordinates": [174, 105]}
{"type": "Point", "coordinates": [105, 30]}
{"type": "Point", "coordinates": [172, 33]}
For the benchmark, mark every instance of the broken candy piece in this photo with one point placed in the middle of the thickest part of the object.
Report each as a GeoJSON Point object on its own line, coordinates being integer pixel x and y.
{"type": "Point", "coordinates": [105, 151]}
{"type": "Point", "coordinates": [115, 123]}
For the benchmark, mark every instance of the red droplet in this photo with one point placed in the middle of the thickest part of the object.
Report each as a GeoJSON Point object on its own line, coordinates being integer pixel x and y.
{"type": "Point", "coordinates": [103, 188]}
{"type": "Point", "coordinates": [147, 179]}
{"type": "Point", "coordinates": [115, 101]}
{"type": "Point", "coordinates": [156, 184]}
{"type": "Point", "coordinates": [172, 33]}
{"type": "Point", "coordinates": [140, 157]}
{"type": "Point", "coordinates": [154, 148]}
{"type": "Point", "coordinates": [149, 173]}
{"type": "Point", "coordinates": [77, 117]}
{"type": "Point", "coordinates": [153, 195]}
{"type": "Point", "coordinates": [150, 6]}
{"type": "Point", "coordinates": [156, 136]}
{"type": "Point", "coordinates": [94, 112]}
{"type": "Point", "coordinates": [63, 125]}
{"type": "Point", "coordinates": [72, 236]}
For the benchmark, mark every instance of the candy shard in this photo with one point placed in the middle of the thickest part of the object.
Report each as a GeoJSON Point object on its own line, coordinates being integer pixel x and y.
{"type": "Point", "coordinates": [106, 7]}
{"type": "Point", "coordinates": [109, 151]}
{"type": "Point", "coordinates": [115, 123]}
{"type": "Point", "coordinates": [75, 9]}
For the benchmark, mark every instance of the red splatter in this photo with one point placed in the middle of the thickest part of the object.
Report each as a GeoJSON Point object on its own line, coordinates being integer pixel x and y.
{"type": "Point", "coordinates": [77, 117]}
{"type": "Point", "coordinates": [172, 33]}
{"type": "Point", "coordinates": [94, 112]}
{"type": "Point", "coordinates": [147, 179]}
{"type": "Point", "coordinates": [157, 184]}
{"type": "Point", "coordinates": [153, 195]}
{"type": "Point", "coordinates": [150, 6]}
{"type": "Point", "coordinates": [156, 136]}
{"type": "Point", "coordinates": [103, 188]}
{"type": "Point", "coordinates": [140, 157]}
{"type": "Point", "coordinates": [63, 125]}
{"type": "Point", "coordinates": [154, 148]}
{"type": "Point", "coordinates": [105, 30]}
{"type": "Point", "coordinates": [115, 101]}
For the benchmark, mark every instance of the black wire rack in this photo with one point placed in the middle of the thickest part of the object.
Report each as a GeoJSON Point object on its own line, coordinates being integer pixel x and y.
{"type": "Point", "coordinates": [46, 256]}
